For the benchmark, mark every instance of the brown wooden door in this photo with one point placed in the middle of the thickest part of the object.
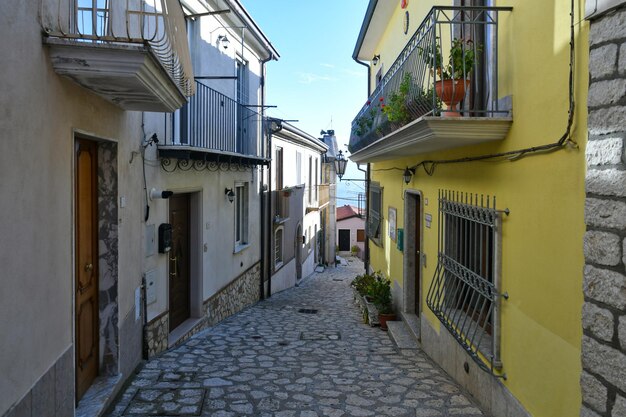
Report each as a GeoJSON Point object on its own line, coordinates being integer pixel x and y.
{"type": "Point", "coordinates": [86, 273]}
{"type": "Point", "coordinates": [418, 254]}
{"type": "Point", "coordinates": [179, 260]}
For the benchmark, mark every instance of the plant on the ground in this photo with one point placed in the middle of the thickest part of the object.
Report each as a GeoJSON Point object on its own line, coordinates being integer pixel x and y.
{"type": "Point", "coordinates": [355, 249]}
{"type": "Point", "coordinates": [363, 282]}
{"type": "Point", "coordinates": [380, 293]}
{"type": "Point", "coordinates": [460, 63]}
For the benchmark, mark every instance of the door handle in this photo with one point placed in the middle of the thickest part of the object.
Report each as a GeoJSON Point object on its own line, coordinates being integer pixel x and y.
{"type": "Point", "coordinates": [88, 267]}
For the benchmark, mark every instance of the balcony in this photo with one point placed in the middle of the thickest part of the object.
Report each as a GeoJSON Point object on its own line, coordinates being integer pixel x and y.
{"type": "Point", "coordinates": [214, 128]}
{"type": "Point", "coordinates": [133, 53]}
{"type": "Point", "coordinates": [440, 93]}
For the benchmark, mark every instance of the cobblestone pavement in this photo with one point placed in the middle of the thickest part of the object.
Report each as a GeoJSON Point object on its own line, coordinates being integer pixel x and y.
{"type": "Point", "coordinates": [274, 360]}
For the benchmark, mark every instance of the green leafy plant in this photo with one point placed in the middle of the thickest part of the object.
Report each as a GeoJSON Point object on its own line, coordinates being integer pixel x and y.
{"type": "Point", "coordinates": [355, 249]}
{"type": "Point", "coordinates": [380, 292]}
{"type": "Point", "coordinates": [362, 283]}
{"type": "Point", "coordinates": [460, 63]}
{"type": "Point", "coordinates": [397, 109]}
{"type": "Point", "coordinates": [364, 123]}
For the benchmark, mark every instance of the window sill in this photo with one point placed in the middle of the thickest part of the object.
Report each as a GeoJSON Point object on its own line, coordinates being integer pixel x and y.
{"type": "Point", "coordinates": [241, 247]}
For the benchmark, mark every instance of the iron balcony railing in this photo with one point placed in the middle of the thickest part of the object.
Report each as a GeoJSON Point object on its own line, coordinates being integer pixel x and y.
{"type": "Point", "coordinates": [212, 121]}
{"type": "Point", "coordinates": [158, 23]}
{"type": "Point", "coordinates": [449, 67]}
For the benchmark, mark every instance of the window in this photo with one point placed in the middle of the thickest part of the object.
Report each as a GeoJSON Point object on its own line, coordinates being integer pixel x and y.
{"type": "Point", "coordinates": [241, 214]}
{"type": "Point", "coordinates": [310, 178]}
{"type": "Point", "coordinates": [464, 293]}
{"type": "Point", "coordinates": [298, 168]}
{"type": "Point", "coordinates": [374, 214]}
{"type": "Point", "coordinates": [360, 235]}
{"type": "Point", "coordinates": [243, 113]}
{"type": "Point", "coordinates": [316, 178]}
{"type": "Point", "coordinates": [92, 17]}
{"type": "Point", "coordinates": [278, 248]}
{"type": "Point", "coordinates": [279, 168]}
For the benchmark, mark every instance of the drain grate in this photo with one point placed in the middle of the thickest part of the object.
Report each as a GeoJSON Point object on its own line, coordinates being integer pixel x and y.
{"type": "Point", "coordinates": [338, 279]}
{"type": "Point", "coordinates": [320, 335]}
{"type": "Point", "coordinates": [307, 311]}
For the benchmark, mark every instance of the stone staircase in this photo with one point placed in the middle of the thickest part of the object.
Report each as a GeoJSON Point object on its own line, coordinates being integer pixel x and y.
{"type": "Point", "coordinates": [405, 333]}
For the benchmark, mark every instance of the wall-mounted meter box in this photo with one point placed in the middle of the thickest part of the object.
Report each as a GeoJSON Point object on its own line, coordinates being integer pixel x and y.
{"type": "Point", "coordinates": [165, 237]}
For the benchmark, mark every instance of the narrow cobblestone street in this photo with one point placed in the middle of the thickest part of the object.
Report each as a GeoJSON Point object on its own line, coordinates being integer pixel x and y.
{"type": "Point", "coordinates": [302, 353]}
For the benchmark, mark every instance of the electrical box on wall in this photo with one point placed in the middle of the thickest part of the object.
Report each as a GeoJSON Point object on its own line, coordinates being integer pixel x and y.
{"type": "Point", "coordinates": [151, 277]}
{"type": "Point", "coordinates": [400, 240]}
{"type": "Point", "coordinates": [165, 237]}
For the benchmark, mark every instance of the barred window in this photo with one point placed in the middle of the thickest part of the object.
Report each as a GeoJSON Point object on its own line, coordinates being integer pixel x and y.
{"type": "Point", "coordinates": [464, 293]}
{"type": "Point", "coordinates": [278, 248]}
{"type": "Point", "coordinates": [374, 213]}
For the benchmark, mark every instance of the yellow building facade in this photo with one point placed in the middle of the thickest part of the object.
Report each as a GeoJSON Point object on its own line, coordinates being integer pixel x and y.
{"type": "Point", "coordinates": [515, 277]}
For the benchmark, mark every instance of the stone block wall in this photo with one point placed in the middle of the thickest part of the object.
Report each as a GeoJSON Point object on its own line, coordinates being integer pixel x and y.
{"type": "Point", "coordinates": [242, 292]}
{"type": "Point", "coordinates": [239, 294]}
{"type": "Point", "coordinates": [603, 379]}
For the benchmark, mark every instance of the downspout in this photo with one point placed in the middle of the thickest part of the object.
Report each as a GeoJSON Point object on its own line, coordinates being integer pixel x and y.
{"type": "Point", "coordinates": [369, 75]}
{"type": "Point", "coordinates": [366, 255]}
{"type": "Point", "coordinates": [264, 148]}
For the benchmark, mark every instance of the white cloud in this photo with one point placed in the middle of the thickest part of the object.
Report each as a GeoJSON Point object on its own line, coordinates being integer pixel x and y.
{"type": "Point", "coordinates": [309, 78]}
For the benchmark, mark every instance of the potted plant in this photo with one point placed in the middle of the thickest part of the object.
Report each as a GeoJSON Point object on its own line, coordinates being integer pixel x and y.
{"type": "Point", "coordinates": [355, 250]}
{"type": "Point", "coordinates": [362, 285]}
{"type": "Point", "coordinates": [453, 76]}
{"type": "Point", "coordinates": [380, 293]}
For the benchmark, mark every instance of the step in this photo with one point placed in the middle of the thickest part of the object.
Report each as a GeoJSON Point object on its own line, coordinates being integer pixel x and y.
{"type": "Point", "coordinates": [399, 332]}
{"type": "Point", "coordinates": [413, 322]}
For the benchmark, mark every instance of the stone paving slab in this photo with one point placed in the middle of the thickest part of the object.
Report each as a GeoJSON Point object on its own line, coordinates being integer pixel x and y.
{"type": "Point", "coordinates": [271, 360]}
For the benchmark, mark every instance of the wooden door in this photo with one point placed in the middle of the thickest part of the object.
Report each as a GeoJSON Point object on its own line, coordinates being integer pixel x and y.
{"type": "Point", "coordinates": [86, 267]}
{"type": "Point", "coordinates": [179, 304]}
{"type": "Point", "coordinates": [418, 254]}
{"type": "Point", "coordinates": [344, 240]}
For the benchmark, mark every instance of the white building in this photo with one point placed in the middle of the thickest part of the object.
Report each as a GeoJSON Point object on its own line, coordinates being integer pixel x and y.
{"type": "Point", "coordinates": [350, 231]}
{"type": "Point", "coordinates": [79, 163]}
{"type": "Point", "coordinates": [298, 195]}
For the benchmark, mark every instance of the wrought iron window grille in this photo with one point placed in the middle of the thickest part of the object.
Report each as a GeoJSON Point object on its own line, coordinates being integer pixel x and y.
{"type": "Point", "coordinates": [465, 292]}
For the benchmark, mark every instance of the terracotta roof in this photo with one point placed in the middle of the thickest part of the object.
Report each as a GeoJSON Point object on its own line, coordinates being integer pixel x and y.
{"type": "Point", "coordinates": [345, 212]}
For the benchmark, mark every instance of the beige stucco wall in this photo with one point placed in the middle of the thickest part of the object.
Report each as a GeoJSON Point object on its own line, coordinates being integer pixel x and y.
{"type": "Point", "coordinates": [39, 112]}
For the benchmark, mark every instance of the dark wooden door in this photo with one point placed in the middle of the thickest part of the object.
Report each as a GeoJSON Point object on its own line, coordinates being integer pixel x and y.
{"type": "Point", "coordinates": [86, 267]}
{"type": "Point", "coordinates": [344, 239]}
{"type": "Point", "coordinates": [418, 254]}
{"type": "Point", "coordinates": [179, 260]}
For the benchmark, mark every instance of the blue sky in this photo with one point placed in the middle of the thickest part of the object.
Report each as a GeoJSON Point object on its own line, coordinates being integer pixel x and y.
{"type": "Point", "coordinates": [315, 81]}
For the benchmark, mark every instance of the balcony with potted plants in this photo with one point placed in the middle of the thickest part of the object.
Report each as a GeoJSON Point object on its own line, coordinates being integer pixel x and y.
{"type": "Point", "coordinates": [440, 93]}
{"type": "Point", "coordinates": [133, 53]}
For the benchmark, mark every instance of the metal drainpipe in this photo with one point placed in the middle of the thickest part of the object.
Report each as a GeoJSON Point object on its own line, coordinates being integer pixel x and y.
{"type": "Point", "coordinates": [262, 210]}
{"type": "Point", "coordinates": [366, 256]}
{"type": "Point", "coordinates": [369, 75]}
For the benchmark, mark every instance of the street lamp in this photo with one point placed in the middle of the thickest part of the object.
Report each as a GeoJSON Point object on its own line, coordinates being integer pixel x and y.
{"type": "Point", "coordinates": [340, 164]}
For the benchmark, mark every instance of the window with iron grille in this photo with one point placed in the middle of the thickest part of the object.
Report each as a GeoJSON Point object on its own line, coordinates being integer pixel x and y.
{"type": "Point", "coordinates": [464, 293]}
{"type": "Point", "coordinates": [278, 248]}
{"type": "Point", "coordinates": [374, 217]}
{"type": "Point", "coordinates": [241, 214]}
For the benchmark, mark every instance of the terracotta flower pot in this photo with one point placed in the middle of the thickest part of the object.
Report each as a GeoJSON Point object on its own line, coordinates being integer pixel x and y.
{"type": "Point", "coordinates": [451, 92]}
{"type": "Point", "coordinates": [384, 318]}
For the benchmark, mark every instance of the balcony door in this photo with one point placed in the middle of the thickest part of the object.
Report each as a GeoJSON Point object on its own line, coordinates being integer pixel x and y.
{"type": "Point", "coordinates": [243, 112]}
